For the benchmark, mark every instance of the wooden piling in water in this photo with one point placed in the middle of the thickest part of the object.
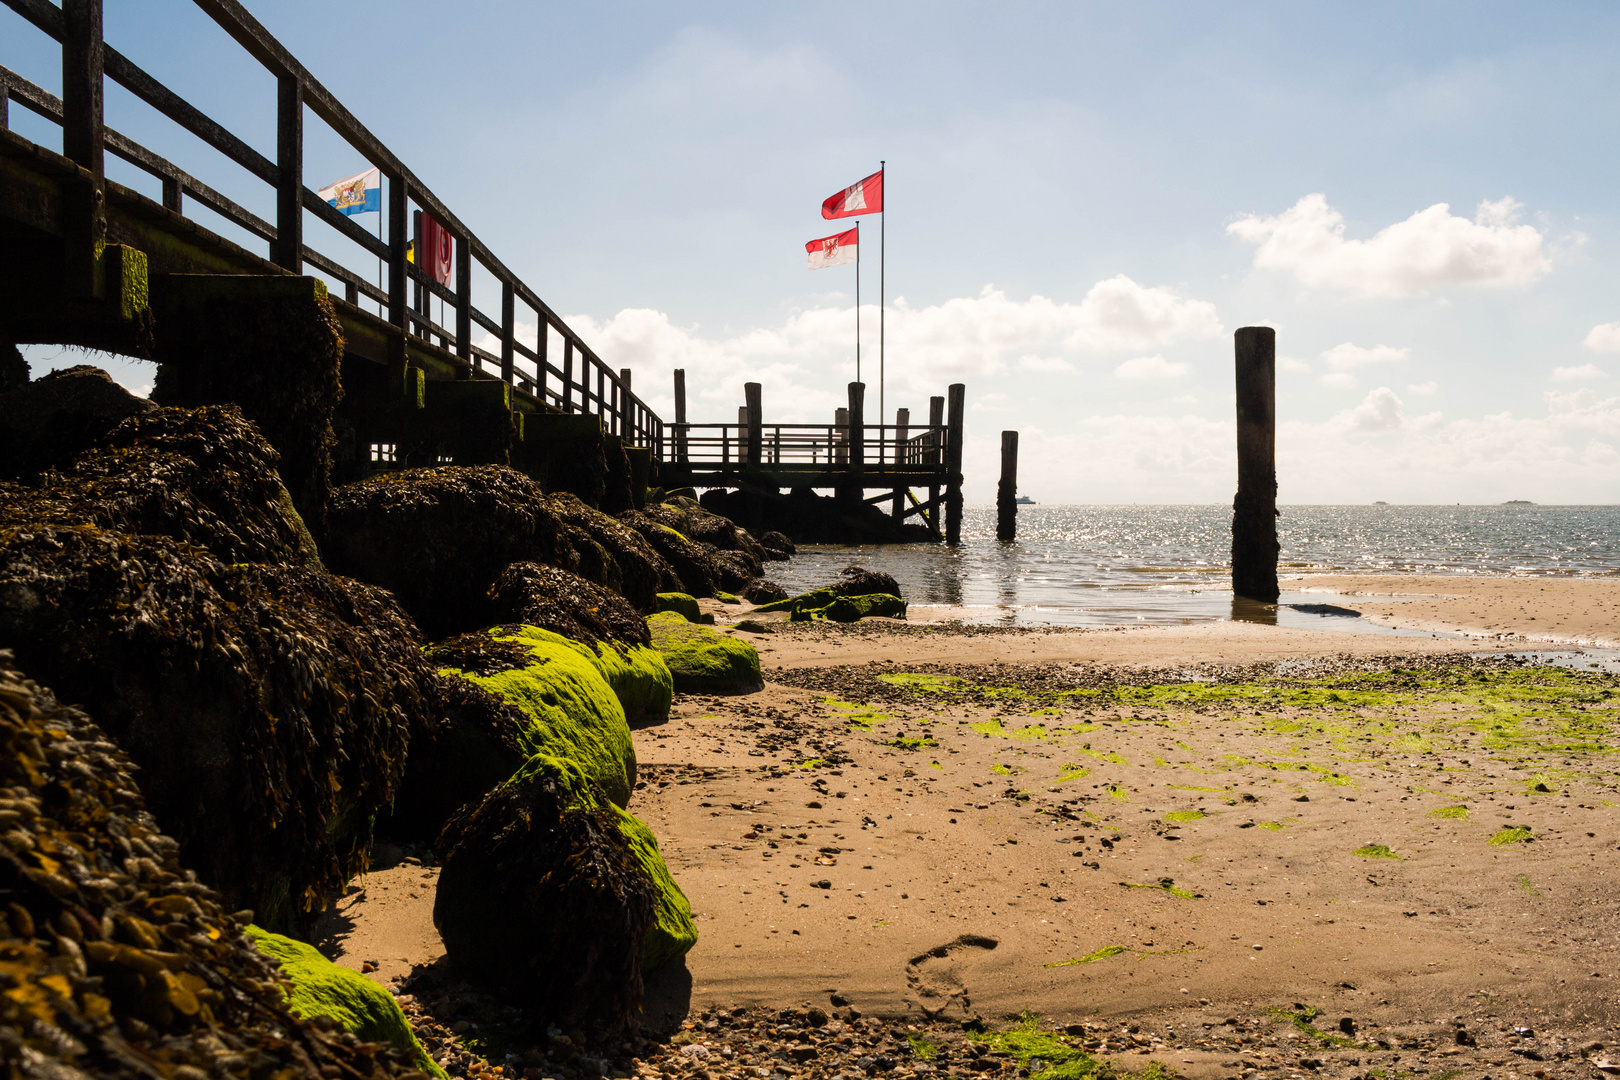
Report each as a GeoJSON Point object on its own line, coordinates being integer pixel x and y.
{"type": "Point", "coordinates": [1007, 489]}
{"type": "Point", "coordinates": [755, 421]}
{"type": "Point", "coordinates": [936, 420]}
{"type": "Point", "coordinates": [1254, 510]}
{"type": "Point", "coordinates": [902, 430]}
{"type": "Point", "coordinates": [857, 425]}
{"type": "Point", "coordinates": [957, 394]}
{"type": "Point", "coordinates": [680, 414]}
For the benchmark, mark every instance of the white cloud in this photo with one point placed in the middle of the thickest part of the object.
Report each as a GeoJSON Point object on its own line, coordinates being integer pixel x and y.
{"type": "Point", "coordinates": [1576, 374]}
{"type": "Point", "coordinates": [1348, 357]}
{"type": "Point", "coordinates": [1051, 365]}
{"type": "Point", "coordinates": [1150, 367]}
{"type": "Point", "coordinates": [1380, 410]}
{"type": "Point", "coordinates": [1339, 380]}
{"type": "Point", "coordinates": [1289, 363]}
{"type": "Point", "coordinates": [1604, 337]}
{"type": "Point", "coordinates": [1431, 249]}
{"type": "Point", "coordinates": [1422, 388]}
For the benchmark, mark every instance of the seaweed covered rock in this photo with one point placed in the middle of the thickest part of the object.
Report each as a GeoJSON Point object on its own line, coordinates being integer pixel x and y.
{"type": "Point", "coordinates": [828, 602]}
{"type": "Point", "coordinates": [439, 538]}
{"type": "Point", "coordinates": [687, 517]}
{"type": "Point", "coordinates": [573, 712]}
{"type": "Point", "coordinates": [605, 550]}
{"type": "Point", "coordinates": [672, 933]}
{"type": "Point", "coordinates": [117, 962]}
{"type": "Point", "coordinates": [50, 421]}
{"type": "Point", "coordinates": [268, 706]}
{"type": "Point", "coordinates": [859, 581]}
{"type": "Point", "coordinates": [776, 546]}
{"type": "Point", "coordinates": [764, 591]}
{"type": "Point", "coordinates": [205, 476]}
{"type": "Point", "coordinates": [685, 603]}
{"type": "Point", "coordinates": [542, 894]}
{"type": "Point", "coordinates": [694, 563]}
{"type": "Point", "coordinates": [358, 1005]}
{"type": "Point", "coordinates": [567, 604]}
{"type": "Point", "coordinates": [704, 660]}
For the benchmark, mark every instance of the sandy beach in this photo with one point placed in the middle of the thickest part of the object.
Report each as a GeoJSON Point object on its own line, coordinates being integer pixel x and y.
{"type": "Point", "coordinates": [1206, 832]}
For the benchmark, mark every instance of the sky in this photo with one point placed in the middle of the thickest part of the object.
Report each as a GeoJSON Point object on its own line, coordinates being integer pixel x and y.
{"type": "Point", "coordinates": [1086, 200]}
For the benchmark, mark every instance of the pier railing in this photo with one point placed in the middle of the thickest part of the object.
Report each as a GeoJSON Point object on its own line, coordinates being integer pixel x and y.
{"type": "Point", "coordinates": [576, 381]}
{"type": "Point", "coordinates": [820, 445]}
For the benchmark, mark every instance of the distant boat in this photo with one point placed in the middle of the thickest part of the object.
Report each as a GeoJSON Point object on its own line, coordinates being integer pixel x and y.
{"type": "Point", "coordinates": [1024, 500]}
{"type": "Point", "coordinates": [1518, 502]}
{"type": "Point", "coordinates": [1380, 502]}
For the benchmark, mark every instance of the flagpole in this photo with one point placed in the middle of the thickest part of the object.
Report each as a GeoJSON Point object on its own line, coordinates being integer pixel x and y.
{"type": "Point", "coordinates": [883, 251]}
{"type": "Point", "coordinates": [857, 301]}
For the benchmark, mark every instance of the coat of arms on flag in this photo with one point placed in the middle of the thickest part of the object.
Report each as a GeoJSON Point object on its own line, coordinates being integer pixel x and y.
{"type": "Point", "coordinates": [357, 194]}
{"type": "Point", "coordinates": [833, 250]}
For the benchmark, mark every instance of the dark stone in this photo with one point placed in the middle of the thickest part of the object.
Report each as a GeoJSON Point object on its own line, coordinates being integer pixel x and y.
{"type": "Point", "coordinates": [694, 564]}
{"type": "Point", "coordinates": [565, 604]}
{"type": "Point", "coordinates": [84, 814]}
{"type": "Point", "coordinates": [47, 423]}
{"type": "Point", "coordinates": [541, 895]}
{"type": "Point", "coordinates": [13, 368]}
{"type": "Point", "coordinates": [858, 581]}
{"type": "Point", "coordinates": [778, 547]}
{"type": "Point", "coordinates": [764, 591]}
{"type": "Point", "coordinates": [438, 538]}
{"type": "Point", "coordinates": [609, 552]}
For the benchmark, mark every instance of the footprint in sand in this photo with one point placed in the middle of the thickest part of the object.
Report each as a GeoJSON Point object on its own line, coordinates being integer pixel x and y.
{"type": "Point", "coordinates": [935, 978]}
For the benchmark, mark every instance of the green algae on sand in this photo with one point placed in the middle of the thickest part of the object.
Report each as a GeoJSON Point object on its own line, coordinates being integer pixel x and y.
{"type": "Point", "coordinates": [322, 988]}
{"type": "Point", "coordinates": [703, 660]}
{"type": "Point", "coordinates": [1376, 851]}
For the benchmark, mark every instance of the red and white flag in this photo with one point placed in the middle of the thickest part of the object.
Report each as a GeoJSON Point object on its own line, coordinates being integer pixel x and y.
{"type": "Point", "coordinates": [440, 249]}
{"type": "Point", "coordinates": [865, 197]}
{"type": "Point", "coordinates": [833, 250]}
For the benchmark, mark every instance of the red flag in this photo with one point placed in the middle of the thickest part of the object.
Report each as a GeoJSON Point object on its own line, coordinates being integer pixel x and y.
{"type": "Point", "coordinates": [832, 250]}
{"type": "Point", "coordinates": [865, 197]}
{"type": "Point", "coordinates": [440, 248]}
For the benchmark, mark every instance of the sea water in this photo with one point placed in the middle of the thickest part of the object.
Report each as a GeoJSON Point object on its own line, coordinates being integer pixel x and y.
{"type": "Point", "coordinates": [1144, 565]}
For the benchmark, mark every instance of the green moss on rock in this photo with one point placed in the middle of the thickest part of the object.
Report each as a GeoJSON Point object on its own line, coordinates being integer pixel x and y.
{"type": "Point", "coordinates": [703, 660]}
{"type": "Point", "coordinates": [684, 603]}
{"type": "Point", "coordinates": [672, 933]}
{"type": "Point", "coordinates": [848, 609]}
{"type": "Point", "coordinates": [559, 684]}
{"type": "Point", "coordinates": [322, 988]}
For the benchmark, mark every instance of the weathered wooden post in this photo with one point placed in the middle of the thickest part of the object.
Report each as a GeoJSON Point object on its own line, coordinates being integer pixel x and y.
{"type": "Point", "coordinates": [1254, 511]}
{"type": "Point", "coordinates": [1007, 489]}
{"type": "Point", "coordinates": [626, 411]}
{"type": "Point", "coordinates": [755, 421]}
{"type": "Point", "coordinates": [287, 249]}
{"type": "Point", "coordinates": [857, 425]}
{"type": "Point", "coordinates": [680, 414]}
{"type": "Point", "coordinates": [85, 213]}
{"type": "Point", "coordinates": [936, 420]}
{"type": "Point", "coordinates": [902, 430]}
{"type": "Point", "coordinates": [953, 463]}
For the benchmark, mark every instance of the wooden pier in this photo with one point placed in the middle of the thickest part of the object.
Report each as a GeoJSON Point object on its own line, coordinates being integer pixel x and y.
{"type": "Point", "coordinates": [89, 260]}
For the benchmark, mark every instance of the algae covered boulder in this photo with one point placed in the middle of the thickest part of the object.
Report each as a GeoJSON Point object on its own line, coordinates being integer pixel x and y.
{"type": "Point", "coordinates": [542, 894]}
{"type": "Point", "coordinates": [117, 962]}
{"type": "Point", "coordinates": [693, 562]}
{"type": "Point", "coordinates": [859, 593]}
{"type": "Point", "coordinates": [322, 988]}
{"type": "Point", "coordinates": [854, 608]}
{"type": "Point", "coordinates": [684, 603]}
{"type": "Point", "coordinates": [439, 538]}
{"type": "Point", "coordinates": [703, 660]}
{"type": "Point", "coordinates": [567, 604]}
{"type": "Point", "coordinates": [608, 552]}
{"type": "Point", "coordinates": [764, 591]}
{"type": "Point", "coordinates": [672, 933]}
{"type": "Point", "coordinates": [557, 684]}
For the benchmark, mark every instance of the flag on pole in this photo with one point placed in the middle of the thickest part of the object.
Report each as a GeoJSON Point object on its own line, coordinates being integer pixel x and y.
{"type": "Point", "coordinates": [832, 250]}
{"type": "Point", "coordinates": [357, 194]}
{"type": "Point", "coordinates": [865, 197]}
{"type": "Point", "coordinates": [438, 249]}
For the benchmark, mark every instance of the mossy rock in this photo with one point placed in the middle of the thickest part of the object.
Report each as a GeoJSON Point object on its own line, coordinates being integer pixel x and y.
{"type": "Point", "coordinates": [566, 603]}
{"type": "Point", "coordinates": [672, 933]}
{"type": "Point", "coordinates": [848, 609]}
{"type": "Point", "coordinates": [322, 988]}
{"type": "Point", "coordinates": [542, 894]}
{"type": "Point", "coordinates": [560, 686]}
{"type": "Point", "coordinates": [703, 660]}
{"type": "Point", "coordinates": [815, 598]}
{"type": "Point", "coordinates": [684, 603]}
{"type": "Point", "coordinates": [638, 677]}
{"type": "Point", "coordinates": [726, 598]}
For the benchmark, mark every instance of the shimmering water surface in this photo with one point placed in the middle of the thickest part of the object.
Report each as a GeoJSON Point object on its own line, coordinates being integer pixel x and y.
{"type": "Point", "coordinates": [1115, 565]}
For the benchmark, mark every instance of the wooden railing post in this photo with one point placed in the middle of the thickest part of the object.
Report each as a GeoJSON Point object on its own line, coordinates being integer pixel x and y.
{"type": "Point", "coordinates": [932, 455]}
{"type": "Point", "coordinates": [626, 409]}
{"type": "Point", "coordinates": [680, 414]}
{"type": "Point", "coordinates": [508, 325]}
{"type": "Point", "coordinates": [287, 251]}
{"type": "Point", "coordinates": [857, 425]}
{"type": "Point", "coordinates": [953, 464]}
{"type": "Point", "coordinates": [840, 440]}
{"type": "Point", "coordinates": [83, 132]}
{"type": "Point", "coordinates": [464, 299]}
{"type": "Point", "coordinates": [542, 343]}
{"type": "Point", "coordinates": [568, 375]}
{"type": "Point", "coordinates": [902, 428]}
{"type": "Point", "coordinates": [753, 416]}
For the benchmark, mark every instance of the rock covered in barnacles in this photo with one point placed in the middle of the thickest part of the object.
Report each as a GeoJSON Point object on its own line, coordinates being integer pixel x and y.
{"type": "Point", "coordinates": [438, 538]}
{"type": "Point", "coordinates": [695, 564]}
{"type": "Point", "coordinates": [117, 961]}
{"type": "Point", "coordinates": [565, 603]}
{"type": "Point", "coordinates": [859, 581]}
{"type": "Point", "coordinates": [268, 706]}
{"type": "Point", "coordinates": [48, 422]}
{"type": "Point", "coordinates": [542, 893]}
{"type": "Point", "coordinates": [691, 520]}
{"type": "Point", "coordinates": [764, 591]}
{"type": "Point", "coordinates": [610, 553]}
{"type": "Point", "coordinates": [204, 475]}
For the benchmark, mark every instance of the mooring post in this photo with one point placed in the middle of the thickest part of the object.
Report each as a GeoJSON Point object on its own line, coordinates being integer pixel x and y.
{"type": "Point", "coordinates": [680, 414]}
{"type": "Point", "coordinates": [902, 430]}
{"type": "Point", "coordinates": [1007, 489]}
{"type": "Point", "coordinates": [840, 436]}
{"type": "Point", "coordinates": [857, 425]}
{"type": "Point", "coordinates": [934, 456]}
{"type": "Point", "coordinates": [1254, 511]}
{"type": "Point", "coordinates": [953, 463]}
{"type": "Point", "coordinates": [756, 431]}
